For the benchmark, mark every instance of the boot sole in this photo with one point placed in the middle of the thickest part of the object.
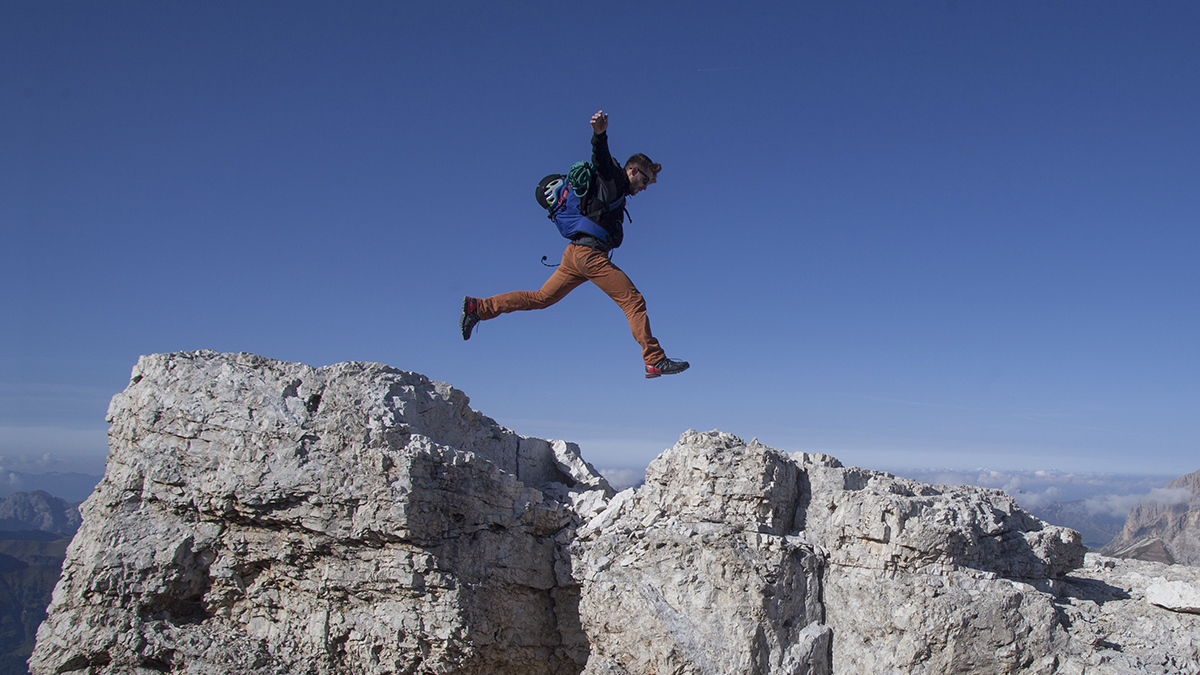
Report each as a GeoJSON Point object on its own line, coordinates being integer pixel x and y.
{"type": "Point", "coordinates": [661, 373]}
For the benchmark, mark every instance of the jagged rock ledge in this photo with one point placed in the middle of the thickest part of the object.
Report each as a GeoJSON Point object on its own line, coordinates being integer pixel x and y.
{"type": "Point", "coordinates": [258, 516]}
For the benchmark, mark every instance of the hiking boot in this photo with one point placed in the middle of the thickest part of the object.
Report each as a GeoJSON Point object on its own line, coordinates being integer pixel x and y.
{"type": "Point", "coordinates": [470, 316]}
{"type": "Point", "coordinates": [666, 367]}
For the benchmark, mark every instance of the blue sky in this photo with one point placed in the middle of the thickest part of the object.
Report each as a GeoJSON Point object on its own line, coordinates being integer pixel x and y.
{"type": "Point", "coordinates": [940, 235]}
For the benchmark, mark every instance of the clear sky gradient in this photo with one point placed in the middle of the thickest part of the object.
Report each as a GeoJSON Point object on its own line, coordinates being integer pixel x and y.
{"type": "Point", "coordinates": [945, 234]}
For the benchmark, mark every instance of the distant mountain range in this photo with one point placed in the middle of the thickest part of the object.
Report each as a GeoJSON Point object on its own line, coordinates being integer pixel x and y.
{"type": "Point", "coordinates": [39, 511]}
{"type": "Point", "coordinates": [1166, 530]}
{"type": "Point", "coordinates": [35, 529]}
{"type": "Point", "coordinates": [1163, 527]}
{"type": "Point", "coordinates": [1097, 529]}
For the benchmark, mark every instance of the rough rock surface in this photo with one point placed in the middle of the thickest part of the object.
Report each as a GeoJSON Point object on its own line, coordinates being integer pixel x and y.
{"type": "Point", "coordinates": [924, 578]}
{"type": "Point", "coordinates": [1167, 533]}
{"type": "Point", "coordinates": [1178, 596]}
{"type": "Point", "coordinates": [1113, 628]}
{"type": "Point", "coordinates": [267, 517]}
{"type": "Point", "coordinates": [699, 570]}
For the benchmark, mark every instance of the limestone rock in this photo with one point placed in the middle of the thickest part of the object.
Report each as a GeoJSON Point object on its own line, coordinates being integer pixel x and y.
{"type": "Point", "coordinates": [1178, 596]}
{"type": "Point", "coordinates": [1095, 529]}
{"type": "Point", "coordinates": [695, 572]}
{"type": "Point", "coordinates": [267, 517]}
{"type": "Point", "coordinates": [924, 578]}
{"type": "Point", "coordinates": [878, 521]}
{"type": "Point", "coordinates": [1111, 627]}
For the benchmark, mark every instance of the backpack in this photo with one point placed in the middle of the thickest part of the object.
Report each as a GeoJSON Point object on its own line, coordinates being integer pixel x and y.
{"type": "Point", "coordinates": [570, 201]}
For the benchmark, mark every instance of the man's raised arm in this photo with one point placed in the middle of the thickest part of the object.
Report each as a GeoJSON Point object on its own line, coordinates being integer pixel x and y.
{"type": "Point", "coordinates": [601, 158]}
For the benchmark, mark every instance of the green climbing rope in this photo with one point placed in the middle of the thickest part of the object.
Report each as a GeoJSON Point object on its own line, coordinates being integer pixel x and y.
{"type": "Point", "coordinates": [580, 178]}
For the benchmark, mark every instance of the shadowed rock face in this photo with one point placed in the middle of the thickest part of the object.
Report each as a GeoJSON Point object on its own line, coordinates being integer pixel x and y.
{"type": "Point", "coordinates": [267, 517]}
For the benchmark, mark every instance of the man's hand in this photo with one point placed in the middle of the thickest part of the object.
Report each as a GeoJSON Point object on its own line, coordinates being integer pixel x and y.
{"type": "Point", "coordinates": [599, 122]}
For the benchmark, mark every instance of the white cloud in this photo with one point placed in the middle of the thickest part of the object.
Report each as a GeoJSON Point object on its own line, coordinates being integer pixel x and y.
{"type": "Point", "coordinates": [1104, 494]}
{"type": "Point", "coordinates": [624, 478]}
{"type": "Point", "coordinates": [1170, 496]}
{"type": "Point", "coordinates": [1120, 505]}
{"type": "Point", "coordinates": [1039, 500]}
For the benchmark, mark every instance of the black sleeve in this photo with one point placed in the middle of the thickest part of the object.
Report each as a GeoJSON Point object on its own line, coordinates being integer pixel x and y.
{"type": "Point", "coordinates": [604, 164]}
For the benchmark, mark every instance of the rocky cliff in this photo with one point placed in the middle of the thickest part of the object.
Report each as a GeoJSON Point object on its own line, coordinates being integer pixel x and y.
{"type": "Point", "coordinates": [1163, 532]}
{"type": "Point", "coordinates": [266, 517]}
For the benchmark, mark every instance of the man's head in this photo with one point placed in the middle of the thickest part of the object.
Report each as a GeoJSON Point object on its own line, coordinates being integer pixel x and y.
{"type": "Point", "coordinates": [641, 172]}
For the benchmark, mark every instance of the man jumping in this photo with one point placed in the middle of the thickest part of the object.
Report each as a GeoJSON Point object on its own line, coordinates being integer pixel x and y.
{"type": "Point", "coordinates": [592, 222]}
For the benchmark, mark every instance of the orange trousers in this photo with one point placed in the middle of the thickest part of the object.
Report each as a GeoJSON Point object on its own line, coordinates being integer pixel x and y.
{"type": "Point", "coordinates": [580, 264]}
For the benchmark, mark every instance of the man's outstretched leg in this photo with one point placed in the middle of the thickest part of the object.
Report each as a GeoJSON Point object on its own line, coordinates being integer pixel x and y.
{"type": "Point", "coordinates": [617, 285]}
{"type": "Point", "coordinates": [563, 281]}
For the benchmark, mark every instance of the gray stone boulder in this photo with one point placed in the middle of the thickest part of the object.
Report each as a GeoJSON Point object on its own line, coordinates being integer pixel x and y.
{"type": "Point", "coordinates": [1178, 596]}
{"type": "Point", "coordinates": [1112, 624]}
{"type": "Point", "coordinates": [925, 578]}
{"type": "Point", "coordinates": [699, 571]}
{"type": "Point", "coordinates": [267, 517]}
{"type": "Point", "coordinates": [871, 519]}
